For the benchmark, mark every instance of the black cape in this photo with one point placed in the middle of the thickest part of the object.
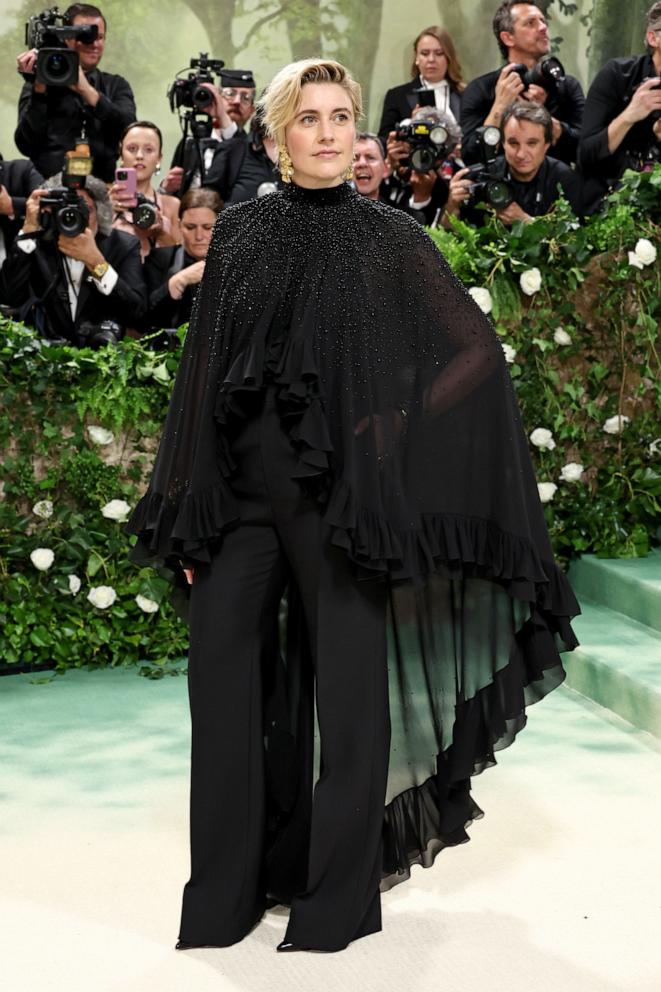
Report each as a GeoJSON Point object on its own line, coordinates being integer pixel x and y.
{"type": "Point", "coordinates": [350, 309]}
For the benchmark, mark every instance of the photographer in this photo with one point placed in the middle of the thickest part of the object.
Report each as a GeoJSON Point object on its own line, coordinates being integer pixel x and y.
{"type": "Point", "coordinates": [50, 118]}
{"type": "Point", "coordinates": [523, 38]}
{"type": "Point", "coordinates": [69, 285]}
{"type": "Point", "coordinates": [420, 169]}
{"type": "Point", "coordinates": [622, 127]}
{"type": "Point", "coordinates": [228, 113]}
{"type": "Point", "coordinates": [174, 274]}
{"type": "Point", "coordinates": [18, 178]}
{"type": "Point", "coordinates": [240, 168]}
{"type": "Point", "coordinates": [435, 68]}
{"type": "Point", "coordinates": [371, 169]}
{"type": "Point", "coordinates": [524, 174]}
{"type": "Point", "coordinates": [152, 217]}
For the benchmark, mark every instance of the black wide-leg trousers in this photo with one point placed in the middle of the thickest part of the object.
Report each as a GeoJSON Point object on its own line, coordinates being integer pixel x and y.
{"type": "Point", "coordinates": [234, 620]}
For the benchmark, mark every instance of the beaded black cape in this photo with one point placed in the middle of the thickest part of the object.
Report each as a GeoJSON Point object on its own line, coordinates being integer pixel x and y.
{"type": "Point", "coordinates": [393, 388]}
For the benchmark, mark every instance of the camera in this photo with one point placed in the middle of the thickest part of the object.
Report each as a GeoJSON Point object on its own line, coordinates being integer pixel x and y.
{"type": "Point", "coordinates": [89, 335]}
{"type": "Point", "coordinates": [430, 143]}
{"type": "Point", "coordinates": [64, 212]}
{"type": "Point", "coordinates": [545, 73]}
{"type": "Point", "coordinates": [190, 92]}
{"type": "Point", "coordinates": [56, 64]}
{"type": "Point", "coordinates": [145, 212]}
{"type": "Point", "coordinates": [490, 184]}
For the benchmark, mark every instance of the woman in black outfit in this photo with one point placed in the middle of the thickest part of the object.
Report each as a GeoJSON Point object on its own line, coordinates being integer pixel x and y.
{"type": "Point", "coordinates": [342, 428]}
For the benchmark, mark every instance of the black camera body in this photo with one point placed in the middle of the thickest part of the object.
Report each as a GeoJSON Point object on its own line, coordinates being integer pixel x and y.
{"type": "Point", "coordinates": [546, 73]}
{"type": "Point", "coordinates": [488, 176]}
{"type": "Point", "coordinates": [145, 212]}
{"type": "Point", "coordinates": [64, 212]}
{"type": "Point", "coordinates": [189, 92]}
{"type": "Point", "coordinates": [430, 143]}
{"type": "Point", "coordinates": [56, 64]}
{"type": "Point", "coordinates": [90, 335]}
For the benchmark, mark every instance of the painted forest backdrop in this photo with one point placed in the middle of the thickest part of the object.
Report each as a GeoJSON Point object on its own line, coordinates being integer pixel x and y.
{"type": "Point", "coordinates": [148, 42]}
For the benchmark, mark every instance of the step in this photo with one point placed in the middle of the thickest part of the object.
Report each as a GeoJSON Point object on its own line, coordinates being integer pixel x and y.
{"type": "Point", "coordinates": [629, 585]}
{"type": "Point", "coordinates": [618, 665]}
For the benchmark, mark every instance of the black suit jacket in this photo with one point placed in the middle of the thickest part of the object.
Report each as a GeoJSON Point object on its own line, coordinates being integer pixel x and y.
{"type": "Point", "coordinates": [565, 103]}
{"type": "Point", "coordinates": [50, 122]}
{"type": "Point", "coordinates": [19, 178]}
{"type": "Point", "coordinates": [609, 94]}
{"type": "Point", "coordinates": [237, 171]}
{"type": "Point", "coordinates": [162, 310]}
{"type": "Point", "coordinates": [37, 283]}
{"type": "Point", "coordinates": [400, 101]}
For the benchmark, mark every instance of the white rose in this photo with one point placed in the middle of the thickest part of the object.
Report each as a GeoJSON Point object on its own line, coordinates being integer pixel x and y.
{"type": "Point", "coordinates": [530, 281]}
{"type": "Point", "coordinates": [645, 251]}
{"type": "Point", "coordinates": [616, 424]}
{"type": "Point", "coordinates": [546, 490]}
{"type": "Point", "coordinates": [100, 435]}
{"type": "Point", "coordinates": [571, 472]}
{"type": "Point", "coordinates": [482, 297]}
{"type": "Point", "coordinates": [542, 438]}
{"type": "Point", "coordinates": [116, 509]}
{"type": "Point", "coordinates": [42, 558]}
{"type": "Point", "coordinates": [43, 508]}
{"type": "Point", "coordinates": [74, 584]}
{"type": "Point", "coordinates": [560, 336]}
{"type": "Point", "coordinates": [146, 605]}
{"type": "Point", "coordinates": [102, 596]}
{"type": "Point", "coordinates": [509, 352]}
{"type": "Point", "coordinates": [635, 261]}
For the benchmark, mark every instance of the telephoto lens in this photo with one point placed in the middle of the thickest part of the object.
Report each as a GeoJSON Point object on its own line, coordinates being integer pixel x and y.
{"type": "Point", "coordinates": [144, 213]}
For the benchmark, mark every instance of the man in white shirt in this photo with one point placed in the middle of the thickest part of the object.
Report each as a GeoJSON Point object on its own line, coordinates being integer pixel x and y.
{"type": "Point", "coordinates": [59, 283]}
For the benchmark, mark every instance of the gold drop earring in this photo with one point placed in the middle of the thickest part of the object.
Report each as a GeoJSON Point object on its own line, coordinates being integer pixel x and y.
{"type": "Point", "coordinates": [285, 164]}
{"type": "Point", "coordinates": [348, 174]}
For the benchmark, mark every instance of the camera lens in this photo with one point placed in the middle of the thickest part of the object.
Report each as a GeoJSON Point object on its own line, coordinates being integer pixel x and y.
{"type": "Point", "coordinates": [70, 221]}
{"type": "Point", "coordinates": [422, 159]}
{"type": "Point", "coordinates": [57, 66]}
{"type": "Point", "coordinates": [202, 97]}
{"type": "Point", "coordinates": [499, 194]}
{"type": "Point", "coordinates": [144, 215]}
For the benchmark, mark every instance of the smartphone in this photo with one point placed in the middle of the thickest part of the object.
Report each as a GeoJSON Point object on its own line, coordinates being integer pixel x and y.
{"type": "Point", "coordinates": [425, 98]}
{"type": "Point", "coordinates": [127, 178]}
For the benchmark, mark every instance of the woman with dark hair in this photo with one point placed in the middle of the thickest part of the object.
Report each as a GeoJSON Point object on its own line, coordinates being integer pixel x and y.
{"type": "Point", "coordinates": [342, 427]}
{"type": "Point", "coordinates": [435, 67]}
{"type": "Point", "coordinates": [141, 148]}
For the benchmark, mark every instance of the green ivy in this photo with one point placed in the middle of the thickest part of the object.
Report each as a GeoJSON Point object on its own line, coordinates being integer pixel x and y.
{"type": "Point", "coordinates": [52, 395]}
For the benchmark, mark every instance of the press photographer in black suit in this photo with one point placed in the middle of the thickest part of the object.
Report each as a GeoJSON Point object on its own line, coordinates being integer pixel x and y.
{"type": "Point", "coordinates": [436, 68]}
{"type": "Point", "coordinates": [66, 287]}
{"type": "Point", "coordinates": [50, 118]}
{"type": "Point", "coordinates": [239, 168]}
{"type": "Point", "coordinates": [622, 126]}
{"type": "Point", "coordinates": [232, 109]}
{"type": "Point", "coordinates": [173, 275]}
{"type": "Point", "coordinates": [535, 179]}
{"type": "Point", "coordinates": [18, 178]}
{"type": "Point", "coordinates": [523, 38]}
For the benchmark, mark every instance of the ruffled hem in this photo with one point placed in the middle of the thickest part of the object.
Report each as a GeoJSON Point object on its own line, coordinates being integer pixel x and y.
{"type": "Point", "coordinates": [455, 547]}
{"type": "Point", "coordinates": [186, 532]}
{"type": "Point", "coordinates": [421, 821]}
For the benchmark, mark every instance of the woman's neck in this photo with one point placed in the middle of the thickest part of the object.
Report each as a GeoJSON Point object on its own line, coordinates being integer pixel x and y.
{"type": "Point", "coordinates": [144, 186]}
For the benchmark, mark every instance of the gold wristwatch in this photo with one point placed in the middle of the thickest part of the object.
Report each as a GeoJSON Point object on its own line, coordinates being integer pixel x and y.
{"type": "Point", "coordinates": [98, 271]}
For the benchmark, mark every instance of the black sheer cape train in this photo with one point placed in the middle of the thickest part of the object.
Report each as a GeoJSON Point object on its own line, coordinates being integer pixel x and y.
{"type": "Point", "coordinates": [394, 391]}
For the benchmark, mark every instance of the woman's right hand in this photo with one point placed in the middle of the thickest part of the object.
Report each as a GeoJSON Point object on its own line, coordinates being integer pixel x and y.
{"type": "Point", "coordinates": [190, 575]}
{"type": "Point", "coordinates": [121, 200]}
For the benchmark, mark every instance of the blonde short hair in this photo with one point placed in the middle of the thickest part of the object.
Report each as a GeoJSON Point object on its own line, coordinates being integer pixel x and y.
{"type": "Point", "coordinates": [282, 96]}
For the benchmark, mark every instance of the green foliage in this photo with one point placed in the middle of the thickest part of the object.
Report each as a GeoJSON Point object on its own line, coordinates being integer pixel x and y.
{"type": "Point", "coordinates": [54, 396]}
{"type": "Point", "coordinates": [611, 311]}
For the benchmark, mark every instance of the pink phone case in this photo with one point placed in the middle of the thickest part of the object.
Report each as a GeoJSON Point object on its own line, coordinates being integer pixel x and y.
{"type": "Point", "coordinates": [127, 178]}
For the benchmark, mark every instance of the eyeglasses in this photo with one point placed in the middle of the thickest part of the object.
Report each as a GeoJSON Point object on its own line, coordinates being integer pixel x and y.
{"type": "Point", "coordinates": [231, 94]}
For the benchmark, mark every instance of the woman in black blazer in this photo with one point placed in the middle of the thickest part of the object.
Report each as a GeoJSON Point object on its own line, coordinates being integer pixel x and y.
{"type": "Point", "coordinates": [435, 66]}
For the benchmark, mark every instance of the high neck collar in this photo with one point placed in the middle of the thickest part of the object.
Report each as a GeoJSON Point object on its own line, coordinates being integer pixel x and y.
{"type": "Point", "coordinates": [323, 196]}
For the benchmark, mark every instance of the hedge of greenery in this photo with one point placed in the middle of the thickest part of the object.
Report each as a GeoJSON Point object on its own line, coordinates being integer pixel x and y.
{"type": "Point", "coordinates": [578, 309]}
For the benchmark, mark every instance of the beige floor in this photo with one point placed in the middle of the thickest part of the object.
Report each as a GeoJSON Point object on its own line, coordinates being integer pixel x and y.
{"type": "Point", "coordinates": [558, 891]}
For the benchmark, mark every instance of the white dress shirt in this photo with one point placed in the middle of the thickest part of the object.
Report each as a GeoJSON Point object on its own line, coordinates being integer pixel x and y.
{"type": "Point", "coordinates": [76, 271]}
